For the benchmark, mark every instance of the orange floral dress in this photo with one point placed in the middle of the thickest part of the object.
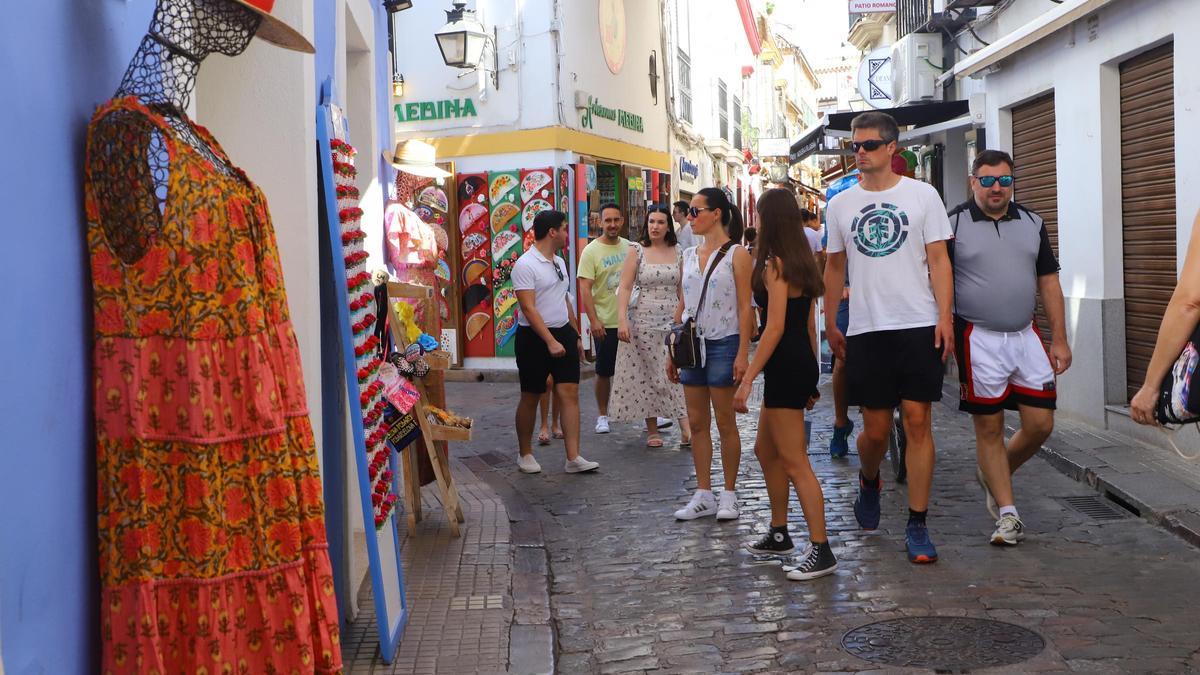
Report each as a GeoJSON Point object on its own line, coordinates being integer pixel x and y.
{"type": "Point", "coordinates": [213, 556]}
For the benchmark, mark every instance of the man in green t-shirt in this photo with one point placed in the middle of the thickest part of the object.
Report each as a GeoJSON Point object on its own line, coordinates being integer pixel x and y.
{"type": "Point", "coordinates": [599, 276]}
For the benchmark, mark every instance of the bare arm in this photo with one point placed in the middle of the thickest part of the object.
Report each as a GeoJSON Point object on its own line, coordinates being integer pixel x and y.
{"type": "Point", "coordinates": [1052, 299]}
{"type": "Point", "coordinates": [742, 269]}
{"type": "Point", "coordinates": [625, 292]}
{"type": "Point", "coordinates": [1178, 322]}
{"type": "Point", "coordinates": [941, 274]}
{"type": "Point", "coordinates": [589, 306]}
{"type": "Point", "coordinates": [812, 331]}
{"type": "Point", "coordinates": [835, 281]}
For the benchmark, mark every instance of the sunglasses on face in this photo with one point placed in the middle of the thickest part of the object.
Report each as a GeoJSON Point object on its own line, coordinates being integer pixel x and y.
{"type": "Point", "coordinates": [870, 146]}
{"type": "Point", "coordinates": [694, 211]}
{"type": "Point", "coordinates": [989, 181]}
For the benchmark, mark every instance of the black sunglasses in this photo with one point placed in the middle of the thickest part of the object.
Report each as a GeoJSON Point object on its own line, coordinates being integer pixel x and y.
{"type": "Point", "coordinates": [557, 269]}
{"type": "Point", "coordinates": [989, 181]}
{"type": "Point", "coordinates": [871, 145]}
{"type": "Point", "coordinates": [694, 211]}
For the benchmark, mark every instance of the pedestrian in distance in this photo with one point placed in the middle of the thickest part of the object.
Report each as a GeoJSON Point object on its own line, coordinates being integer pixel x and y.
{"type": "Point", "coordinates": [890, 232]}
{"type": "Point", "coordinates": [1002, 262]}
{"type": "Point", "coordinates": [683, 225]}
{"type": "Point", "coordinates": [640, 389]}
{"type": "Point", "coordinates": [725, 324]}
{"type": "Point", "coordinates": [600, 267]}
{"type": "Point", "coordinates": [1178, 324]}
{"type": "Point", "coordinates": [547, 340]}
{"type": "Point", "coordinates": [786, 285]}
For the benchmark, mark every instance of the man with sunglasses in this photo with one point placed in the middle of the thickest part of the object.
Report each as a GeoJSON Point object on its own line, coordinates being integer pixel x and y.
{"type": "Point", "coordinates": [1002, 262]}
{"type": "Point", "coordinates": [547, 340]}
{"type": "Point", "coordinates": [890, 231]}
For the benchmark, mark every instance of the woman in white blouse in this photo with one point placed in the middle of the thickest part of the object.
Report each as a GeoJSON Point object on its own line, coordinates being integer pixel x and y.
{"type": "Point", "coordinates": [725, 324]}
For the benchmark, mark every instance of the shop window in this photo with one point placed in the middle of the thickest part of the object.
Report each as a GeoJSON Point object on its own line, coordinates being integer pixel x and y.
{"type": "Point", "coordinates": [737, 123]}
{"type": "Point", "coordinates": [685, 87]}
{"type": "Point", "coordinates": [722, 110]}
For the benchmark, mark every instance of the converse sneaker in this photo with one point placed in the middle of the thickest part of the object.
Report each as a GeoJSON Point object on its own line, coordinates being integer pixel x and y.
{"type": "Point", "coordinates": [602, 424]}
{"type": "Point", "coordinates": [1009, 531]}
{"type": "Point", "coordinates": [729, 506]}
{"type": "Point", "coordinates": [817, 561]}
{"type": "Point", "coordinates": [987, 494]}
{"type": "Point", "coordinates": [527, 464]}
{"type": "Point", "coordinates": [580, 465]}
{"type": "Point", "coordinates": [700, 505]}
{"type": "Point", "coordinates": [775, 542]}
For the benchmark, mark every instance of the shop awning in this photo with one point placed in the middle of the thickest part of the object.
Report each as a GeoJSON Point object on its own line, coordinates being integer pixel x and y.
{"type": "Point", "coordinates": [924, 118]}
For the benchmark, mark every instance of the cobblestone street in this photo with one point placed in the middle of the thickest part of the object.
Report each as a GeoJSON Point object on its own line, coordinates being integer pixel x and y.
{"type": "Point", "coordinates": [633, 590]}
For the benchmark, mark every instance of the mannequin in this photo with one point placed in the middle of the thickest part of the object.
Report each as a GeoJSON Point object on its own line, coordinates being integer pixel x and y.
{"type": "Point", "coordinates": [211, 521]}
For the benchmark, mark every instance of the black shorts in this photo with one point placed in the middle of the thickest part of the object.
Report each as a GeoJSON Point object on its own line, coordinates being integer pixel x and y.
{"type": "Point", "coordinates": [534, 363]}
{"type": "Point", "coordinates": [888, 366]}
{"type": "Point", "coordinates": [606, 353]}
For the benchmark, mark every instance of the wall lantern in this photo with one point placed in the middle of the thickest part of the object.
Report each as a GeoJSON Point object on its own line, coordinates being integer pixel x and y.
{"type": "Point", "coordinates": [393, 6]}
{"type": "Point", "coordinates": [463, 40]}
{"type": "Point", "coordinates": [654, 75]}
{"type": "Point", "coordinates": [397, 85]}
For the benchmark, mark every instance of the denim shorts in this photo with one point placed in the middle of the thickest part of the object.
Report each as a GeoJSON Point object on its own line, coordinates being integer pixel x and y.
{"type": "Point", "coordinates": [717, 370]}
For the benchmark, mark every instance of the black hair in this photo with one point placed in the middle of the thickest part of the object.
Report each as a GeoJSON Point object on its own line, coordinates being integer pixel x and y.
{"type": "Point", "coordinates": [806, 216]}
{"type": "Point", "coordinates": [731, 219]}
{"type": "Point", "coordinates": [991, 158]}
{"type": "Point", "coordinates": [681, 205]}
{"type": "Point", "coordinates": [751, 234]}
{"type": "Point", "coordinates": [545, 221]}
{"type": "Point", "coordinates": [610, 205]}
{"type": "Point", "coordinates": [670, 238]}
{"type": "Point", "coordinates": [882, 122]}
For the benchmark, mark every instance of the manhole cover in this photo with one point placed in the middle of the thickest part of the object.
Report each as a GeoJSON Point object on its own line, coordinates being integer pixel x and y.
{"type": "Point", "coordinates": [943, 643]}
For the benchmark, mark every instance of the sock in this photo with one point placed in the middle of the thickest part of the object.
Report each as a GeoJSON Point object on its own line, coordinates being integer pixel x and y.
{"type": "Point", "coordinates": [706, 495]}
{"type": "Point", "coordinates": [872, 483]}
{"type": "Point", "coordinates": [916, 517]}
{"type": "Point", "coordinates": [1009, 511]}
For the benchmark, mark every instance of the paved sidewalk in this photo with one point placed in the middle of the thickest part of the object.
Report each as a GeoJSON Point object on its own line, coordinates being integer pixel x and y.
{"type": "Point", "coordinates": [634, 591]}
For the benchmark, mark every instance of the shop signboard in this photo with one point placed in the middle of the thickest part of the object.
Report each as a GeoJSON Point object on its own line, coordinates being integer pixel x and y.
{"type": "Point", "coordinates": [444, 109]}
{"type": "Point", "coordinates": [872, 6]}
{"type": "Point", "coordinates": [594, 109]}
{"type": "Point", "coordinates": [875, 78]}
{"type": "Point", "coordinates": [773, 147]}
{"type": "Point", "coordinates": [689, 172]}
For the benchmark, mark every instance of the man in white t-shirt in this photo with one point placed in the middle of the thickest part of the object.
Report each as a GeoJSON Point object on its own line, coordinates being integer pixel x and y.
{"type": "Point", "coordinates": [812, 231]}
{"type": "Point", "coordinates": [891, 232]}
{"type": "Point", "coordinates": [684, 237]}
{"type": "Point", "coordinates": [547, 339]}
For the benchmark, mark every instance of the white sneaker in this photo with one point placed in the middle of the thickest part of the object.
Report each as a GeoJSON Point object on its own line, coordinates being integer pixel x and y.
{"type": "Point", "coordinates": [728, 509]}
{"type": "Point", "coordinates": [991, 501]}
{"type": "Point", "coordinates": [700, 505]}
{"type": "Point", "coordinates": [664, 422]}
{"type": "Point", "coordinates": [1009, 531]}
{"type": "Point", "coordinates": [602, 424]}
{"type": "Point", "coordinates": [579, 465]}
{"type": "Point", "coordinates": [527, 464]}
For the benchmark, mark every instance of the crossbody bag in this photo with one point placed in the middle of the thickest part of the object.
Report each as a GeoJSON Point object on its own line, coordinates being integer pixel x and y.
{"type": "Point", "coordinates": [683, 339]}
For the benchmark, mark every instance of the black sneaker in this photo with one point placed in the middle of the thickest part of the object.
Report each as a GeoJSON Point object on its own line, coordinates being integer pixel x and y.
{"type": "Point", "coordinates": [775, 542]}
{"type": "Point", "coordinates": [817, 562]}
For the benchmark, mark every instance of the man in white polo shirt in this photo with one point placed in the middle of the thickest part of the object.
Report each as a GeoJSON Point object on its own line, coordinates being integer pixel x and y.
{"type": "Point", "coordinates": [547, 340]}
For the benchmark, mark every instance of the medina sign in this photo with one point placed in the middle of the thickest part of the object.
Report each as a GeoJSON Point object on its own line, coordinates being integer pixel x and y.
{"type": "Point", "coordinates": [420, 111]}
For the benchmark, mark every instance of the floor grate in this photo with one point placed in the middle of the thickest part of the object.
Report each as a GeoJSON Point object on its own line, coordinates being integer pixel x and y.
{"type": "Point", "coordinates": [1094, 507]}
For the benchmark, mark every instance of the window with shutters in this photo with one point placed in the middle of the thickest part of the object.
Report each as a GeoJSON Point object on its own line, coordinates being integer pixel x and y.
{"type": "Point", "coordinates": [722, 110]}
{"type": "Point", "coordinates": [685, 87]}
{"type": "Point", "coordinates": [737, 123]}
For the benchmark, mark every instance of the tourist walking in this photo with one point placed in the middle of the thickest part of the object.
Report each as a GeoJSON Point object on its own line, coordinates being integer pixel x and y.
{"type": "Point", "coordinates": [786, 284]}
{"type": "Point", "coordinates": [1002, 263]}
{"type": "Point", "coordinates": [719, 271]}
{"type": "Point", "coordinates": [640, 389]}
{"type": "Point", "coordinates": [683, 226]}
{"type": "Point", "coordinates": [599, 275]}
{"type": "Point", "coordinates": [547, 340]}
{"type": "Point", "coordinates": [891, 231]}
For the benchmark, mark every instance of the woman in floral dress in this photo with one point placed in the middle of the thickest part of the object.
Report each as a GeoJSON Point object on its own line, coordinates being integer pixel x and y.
{"type": "Point", "coordinates": [640, 387]}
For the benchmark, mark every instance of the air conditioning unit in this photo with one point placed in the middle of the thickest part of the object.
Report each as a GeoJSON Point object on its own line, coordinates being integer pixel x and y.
{"type": "Point", "coordinates": [916, 65]}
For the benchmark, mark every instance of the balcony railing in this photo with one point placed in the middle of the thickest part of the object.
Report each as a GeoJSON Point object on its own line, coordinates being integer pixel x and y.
{"type": "Point", "coordinates": [918, 16]}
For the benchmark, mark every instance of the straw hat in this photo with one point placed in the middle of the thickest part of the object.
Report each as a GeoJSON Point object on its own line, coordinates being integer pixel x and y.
{"type": "Point", "coordinates": [418, 158]}
{"type": "Point", "coordinates": [274, 30]}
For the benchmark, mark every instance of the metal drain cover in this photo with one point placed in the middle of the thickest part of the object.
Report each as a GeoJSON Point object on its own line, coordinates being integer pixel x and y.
{"type": "Point", "coordinates": [943, 643]}
{"type": "Point", "coordinates": [1094, 507]}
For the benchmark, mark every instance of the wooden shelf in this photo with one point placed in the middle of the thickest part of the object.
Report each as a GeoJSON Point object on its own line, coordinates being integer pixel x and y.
{"type": "Point", "coordinates": [441, 432]}
{"type": "Point", "coordinates": [438, 359]}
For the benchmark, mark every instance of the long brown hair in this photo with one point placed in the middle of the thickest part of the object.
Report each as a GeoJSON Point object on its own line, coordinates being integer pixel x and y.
{"type": "Point", "coordinates": [781, 236]}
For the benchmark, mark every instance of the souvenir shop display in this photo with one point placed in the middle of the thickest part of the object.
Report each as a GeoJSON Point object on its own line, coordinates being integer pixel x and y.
{"type": "Point", "coordinates": [358, 314]}
{"type": "Point", "coordinates": [210, 517]}
{"type": "Point", "coordinates": [475, 272]}
{"type": "Point", "coordinates": [507, 247]}
{"type": "Point", "coordinates": [417, 358]}
{"type": "Point", "coordinates": [537, 195]}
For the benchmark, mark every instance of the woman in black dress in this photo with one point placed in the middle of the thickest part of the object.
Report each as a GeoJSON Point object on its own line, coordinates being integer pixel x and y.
{"type": "Point", "coordinates": [786, 283]}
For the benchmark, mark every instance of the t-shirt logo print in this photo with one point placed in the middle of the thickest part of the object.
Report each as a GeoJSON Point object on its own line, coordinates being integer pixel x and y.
{"type": "Point", "coordinates": [880, 230]}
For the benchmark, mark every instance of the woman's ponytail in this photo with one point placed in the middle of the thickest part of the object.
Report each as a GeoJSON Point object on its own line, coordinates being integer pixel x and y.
{"type": "Point", "coordinates": [731, 218]}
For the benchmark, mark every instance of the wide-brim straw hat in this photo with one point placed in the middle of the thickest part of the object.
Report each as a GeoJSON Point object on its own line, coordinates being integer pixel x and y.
{"type": "Point", "coordinates": [274, 30]}
{"type": "Point", "coordinates": [418, 158]}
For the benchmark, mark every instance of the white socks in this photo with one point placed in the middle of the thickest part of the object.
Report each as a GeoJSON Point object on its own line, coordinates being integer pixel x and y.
{"type": "Point", "coordinates": [1009, 511]}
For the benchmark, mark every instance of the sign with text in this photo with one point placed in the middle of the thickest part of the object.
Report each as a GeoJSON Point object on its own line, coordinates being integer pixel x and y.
{"type": "Point", "coordinates": [872, 6]}
{"type": "Point", "coordinates": [623, 118]}
{"type": "Point", "coordinates": [773, 147]}
{"type": "Point", "coordinates": [875, 78]}
{"type": "Point", "coordinates": [448, 108]}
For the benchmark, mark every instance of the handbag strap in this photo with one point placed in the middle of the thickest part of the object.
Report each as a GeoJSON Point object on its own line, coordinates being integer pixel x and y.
{"type": "Point", "coordinates": [712, 267]}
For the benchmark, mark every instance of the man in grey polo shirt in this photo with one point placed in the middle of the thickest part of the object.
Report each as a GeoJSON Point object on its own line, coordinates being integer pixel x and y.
{"type": "Point", "coordinates": [1002, 261]}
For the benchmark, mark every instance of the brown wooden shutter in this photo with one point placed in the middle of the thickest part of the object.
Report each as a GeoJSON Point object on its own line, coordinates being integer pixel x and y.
{"type": "Point", "coordinates": [1147, 202]}
{"type": "Point", "coordinates": [1036, 158]}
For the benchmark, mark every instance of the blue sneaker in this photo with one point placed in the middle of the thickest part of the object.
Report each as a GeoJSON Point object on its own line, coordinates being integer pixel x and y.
{"type": "Point", "coordinates": [839, 445]}
{"type": "Point", "coordinates": [866, 507]}
{"type": "Point", "coordinates": [920, 549]}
